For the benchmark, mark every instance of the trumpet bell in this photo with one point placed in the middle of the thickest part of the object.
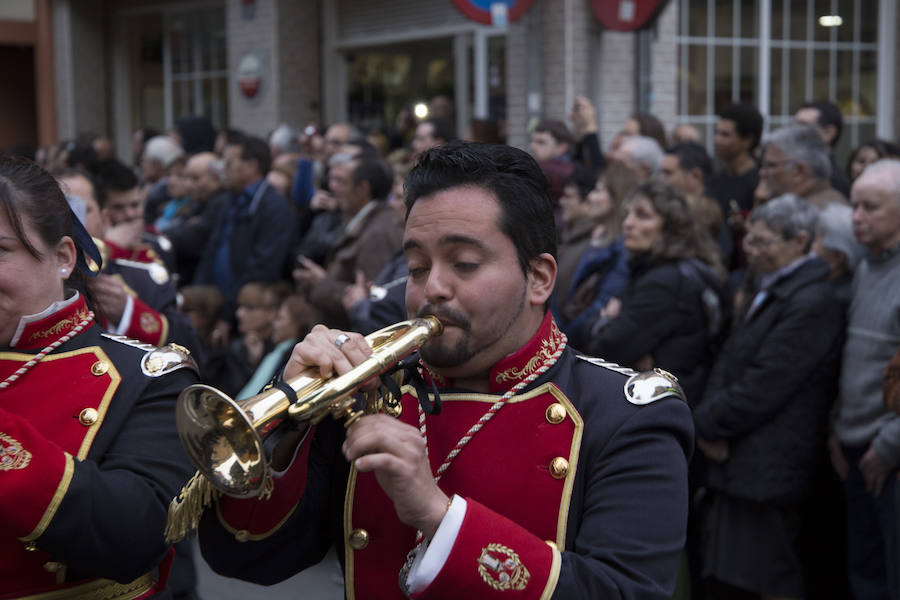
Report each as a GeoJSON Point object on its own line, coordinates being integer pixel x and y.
{"type": "Point", "coordinates": [218, 435]}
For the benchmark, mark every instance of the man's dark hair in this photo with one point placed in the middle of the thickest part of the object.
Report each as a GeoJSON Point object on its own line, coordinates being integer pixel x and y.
{"type": "Point", "coordinates": [829, 114]}
{"type": "Point", "coordinates": [747, 121]}
{"type": "Point", "coordinates": [584, 178]}
{"type": "Point", "coordinates": [256, 149]}
{"type": "Point", "coordinates": [147, 133]}
{"type": "Point", "coordinates": [557, 129]}
{"type": "Point", "coordinates": [442, 129]}
{"type": "Point", "coordinates": [512, 176]}
{"type": "Point", "coordinates": [233, 136]}
{"type": "Point", "coordinates": [692, 155]}
{"type": "Point", "coordinates": [377, 172]}
{"type": "Point", "coordinates": [81, 156]}
{"type": "Point", "coordinates": [113, 175]}
{"type": "Point", "coordinates": [365, 149]}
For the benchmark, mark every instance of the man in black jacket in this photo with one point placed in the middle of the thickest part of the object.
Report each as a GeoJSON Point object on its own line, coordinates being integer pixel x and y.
{"type": "Point", "coordinates": [252, 235]}
{"type": "Point", "coordinates": [204, 177]}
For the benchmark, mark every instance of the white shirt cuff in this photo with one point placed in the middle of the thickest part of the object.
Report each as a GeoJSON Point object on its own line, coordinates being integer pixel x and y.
{"type": "Point", "coordinates": [122, 327]}
{"type": "Point", "coordinates": [430, 558]}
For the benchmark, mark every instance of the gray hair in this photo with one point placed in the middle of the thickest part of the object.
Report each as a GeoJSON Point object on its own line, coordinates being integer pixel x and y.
{"type": "Point", "coordinates": [888, 171]}
{"type": "Point", "coordinates": [285, 138]}
{"type": "Point", "coordinates": [802, 144]}
{"type": "Point", "coordinates": [163, 150]}
{"type": "Point", "coordinates": [340, 158]}
{"type": "Point", "coordinates": [836, 229]}
{"type": "Point", "coordinates": [788, 215]}
{"type": "Point", "coordinates": [217, 169]}
{"type": "Point", "coordinates": [644, 151]}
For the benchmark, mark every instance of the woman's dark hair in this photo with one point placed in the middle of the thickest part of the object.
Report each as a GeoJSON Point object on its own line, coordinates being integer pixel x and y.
{"type": "Point", "coordinates": [681, 236]}
{"type": "Point", "coordinates": [28, 192]}
{"type": "Point", "coordinates": [883, 148]}
{"type": "Point", "coordinates": [512, 176]}
{"type": "Point", "coordinates": [650, 126]}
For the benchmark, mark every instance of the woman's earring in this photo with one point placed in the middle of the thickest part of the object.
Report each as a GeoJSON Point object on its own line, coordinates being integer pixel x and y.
{"type": "Point", "coordinates": [64, 271]}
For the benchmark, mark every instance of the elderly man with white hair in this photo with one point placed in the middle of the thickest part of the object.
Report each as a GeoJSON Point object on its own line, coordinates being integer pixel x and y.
{"type": "Point", "coordinates": [159, 153]}
{"type": "Point", "coordinates": [795, 161]}
{"type": "Point", "coordinates": [865, 445]}
{"type": "Point", "coordinates": [641, 154]}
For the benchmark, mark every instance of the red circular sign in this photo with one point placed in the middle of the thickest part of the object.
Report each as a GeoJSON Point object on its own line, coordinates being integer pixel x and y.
{"type": "Point", "coordinates": [480, 10]}
{"type": "Point", "coordinates": [627, 15]}
{"type": "Point", "coordinates": [249, 75]}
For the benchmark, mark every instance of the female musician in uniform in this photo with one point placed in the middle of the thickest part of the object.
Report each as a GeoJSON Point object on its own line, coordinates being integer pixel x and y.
{"type": "Point", "coordinates": [89, 454]}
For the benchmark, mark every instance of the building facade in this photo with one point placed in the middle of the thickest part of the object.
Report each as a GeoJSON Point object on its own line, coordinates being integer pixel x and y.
{"type": "Point", "coordinates": [118, 65]}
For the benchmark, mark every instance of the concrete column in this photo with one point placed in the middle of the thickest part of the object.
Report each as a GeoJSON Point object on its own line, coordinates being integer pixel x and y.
{"type": "Point", "coordinates": [664, 67]}
{"type": "Point", "coordinates": [78, 53]}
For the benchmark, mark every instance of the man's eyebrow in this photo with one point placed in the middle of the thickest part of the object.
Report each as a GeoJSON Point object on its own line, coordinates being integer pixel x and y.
{"type": "Point", "coordinates": [447, 240]}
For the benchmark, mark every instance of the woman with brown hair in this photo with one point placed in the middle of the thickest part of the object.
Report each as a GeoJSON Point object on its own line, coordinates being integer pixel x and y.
{"type": "Point", "coordinates": [671, 314]}
{"type": "Point", "coordinates": [593, 265]}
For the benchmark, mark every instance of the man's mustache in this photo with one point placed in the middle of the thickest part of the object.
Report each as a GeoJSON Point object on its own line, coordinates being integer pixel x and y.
{"type": "Point", "coordinates": [446, 316]}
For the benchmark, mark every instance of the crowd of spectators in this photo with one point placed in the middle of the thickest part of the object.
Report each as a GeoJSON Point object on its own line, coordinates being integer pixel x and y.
{"type": "Point", "coordinates": [765, 277]}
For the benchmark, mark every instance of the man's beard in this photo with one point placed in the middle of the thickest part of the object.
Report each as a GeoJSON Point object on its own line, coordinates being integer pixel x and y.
{"type": "Point", "coordinates": [438, 356]}
{"type": "Point", "coordinates": [441, 357]}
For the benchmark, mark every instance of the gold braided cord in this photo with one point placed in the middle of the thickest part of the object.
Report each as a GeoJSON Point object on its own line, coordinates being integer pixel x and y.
{"type": "Point", "coordinates": [186, 509]}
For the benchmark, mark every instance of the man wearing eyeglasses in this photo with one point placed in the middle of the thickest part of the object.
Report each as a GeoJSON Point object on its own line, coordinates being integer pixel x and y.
{"type": "Point", "coordinates": [795, 161]}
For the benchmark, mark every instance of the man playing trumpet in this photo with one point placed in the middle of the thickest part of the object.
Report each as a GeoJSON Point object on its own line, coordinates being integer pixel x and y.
{"type": "Point", "coordinates": [531, 474]}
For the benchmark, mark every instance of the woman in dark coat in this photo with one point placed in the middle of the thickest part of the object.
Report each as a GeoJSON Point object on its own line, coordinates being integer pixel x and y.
{"type": "Point", "coordinates": [672, 310]}
{"type": "Point", "coordinates": [762, 421]}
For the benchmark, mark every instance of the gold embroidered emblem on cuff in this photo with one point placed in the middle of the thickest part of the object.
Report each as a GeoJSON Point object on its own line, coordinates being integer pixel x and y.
{"type": "Point", "coordinates": [12, 455]}
{"type": "Point", "coordinates": [501, 568]}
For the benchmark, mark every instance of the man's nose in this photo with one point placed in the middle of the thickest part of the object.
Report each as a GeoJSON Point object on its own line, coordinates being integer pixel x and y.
{"type": "Point", "coordinates": [438, 287]}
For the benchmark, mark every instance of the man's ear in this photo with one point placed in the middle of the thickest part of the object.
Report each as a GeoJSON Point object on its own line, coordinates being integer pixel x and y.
{"type": "Point", "coordinates": [802, 169]}
{"type": "Point", "coordinates": [541, 279]}
{"type": "Point", "coordinates": [697, 176]}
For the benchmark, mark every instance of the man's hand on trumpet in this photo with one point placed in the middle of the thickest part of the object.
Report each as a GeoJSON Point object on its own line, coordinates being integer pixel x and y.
{"type": "Point", "coordinates": [393, 450]}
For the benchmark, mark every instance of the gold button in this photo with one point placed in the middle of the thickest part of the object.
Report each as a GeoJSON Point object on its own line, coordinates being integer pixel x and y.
{"type": "Point", "coordinates": [242, 535]}
{"type": "Point", "coordinates": [559, 467]}
{"type": "Point", "coordinates": [359, 539]}
{"type": "Point", "coordinates": [52, 567]}
{"type": "Point", "coordinates": [88, 417]}
{"type": "Point", "coordinates": [100, 368]}
{"type": "Point", "coordinates": [31, 547]}
{"type": "Point", "coordinates": [556, 413]}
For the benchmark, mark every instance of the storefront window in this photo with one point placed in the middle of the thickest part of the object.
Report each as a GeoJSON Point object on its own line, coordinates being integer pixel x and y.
{"type": "Point", "coordinates": [719, 60]}
{"type": "Point", "coordinates": [385, 80]}
{"type": "Point", "coordinates": [176, 66]}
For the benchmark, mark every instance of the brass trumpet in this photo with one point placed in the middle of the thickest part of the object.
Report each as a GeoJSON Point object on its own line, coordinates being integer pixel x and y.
{"type": "Point", "coordinates": [225, 438]}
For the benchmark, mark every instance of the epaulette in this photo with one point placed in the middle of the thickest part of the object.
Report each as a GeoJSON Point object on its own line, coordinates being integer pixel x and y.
{"type": "Point", "coordinates": [157, 272]}
{"type": "Point", "coordinates": [653, 385]}
{"type": "Point", "coordinates": [645, 387]}
{"type": "Point", "coordinates": [159, 361]}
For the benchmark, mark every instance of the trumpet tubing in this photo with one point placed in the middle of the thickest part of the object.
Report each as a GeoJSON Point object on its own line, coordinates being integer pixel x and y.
{"type": "Point", "coordinates": [225, 439]}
